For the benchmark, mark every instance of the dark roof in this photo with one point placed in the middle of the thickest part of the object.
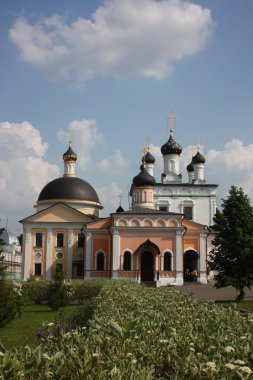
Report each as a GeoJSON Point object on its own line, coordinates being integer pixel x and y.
{"type": "Point", "coordinates": [148, 158]}
{"type": "Point", "coordinates": [69, 188]}
{"type": "Point", "coordinates": [198, 159]}
{"type": "Point", "coordinates": [171, 147]}
{"type": "Point", "coordinates": [144, 178]}
{"type": "Point", "coordinates": [144, 210]}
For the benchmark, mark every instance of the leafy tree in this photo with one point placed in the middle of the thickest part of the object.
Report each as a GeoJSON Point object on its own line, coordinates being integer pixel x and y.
{"type": "Point", "coordinates": [57, 291]}
{"type": "Point", "coordinates": [232, 255]}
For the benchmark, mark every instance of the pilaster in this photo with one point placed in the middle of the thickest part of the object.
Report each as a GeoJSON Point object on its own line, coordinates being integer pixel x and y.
{"type": "Point", "coordinates": [202, 259]}
{"type": "Point", "coordinates": [70, 254]}
{"type": "Point", "coordinates": [88, 250]}
{"type": "Point", "coordinates": [49, 255]}
{"type": "Point", "coordinates": [179, 258]}
{"type": "Point", "coordinates": [27, 256]}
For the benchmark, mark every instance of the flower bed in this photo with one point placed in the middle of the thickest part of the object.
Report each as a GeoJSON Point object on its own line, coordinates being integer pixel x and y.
{"type": "Point", "coordinates": [143, 333]}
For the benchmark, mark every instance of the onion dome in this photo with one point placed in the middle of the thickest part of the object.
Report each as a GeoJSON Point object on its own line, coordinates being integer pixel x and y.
{"type": "Point", "coordinates": [120, 209]}
{"type": "Point", "coordinates": [190, 167]}
{"type": "Point", "coordinates": [198, 159]}
{"type": "Point", "coordinates": [171, 147]}
{"type": "Point", "coordinates": [144, 178]}
{"type": "Point", "coordinates": [148, 158]}
{"type": "Point", "coordinates": [68, 189]}
{"type": "Point", "coordinates": [70, 155]}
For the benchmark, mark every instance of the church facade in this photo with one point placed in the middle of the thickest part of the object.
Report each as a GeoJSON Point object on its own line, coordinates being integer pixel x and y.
{"type": "Point", "coordinates": [164, 238]}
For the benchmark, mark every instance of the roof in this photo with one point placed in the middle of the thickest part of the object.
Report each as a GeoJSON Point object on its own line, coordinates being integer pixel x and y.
{"type": "Point", "coordinates": [68, 188]}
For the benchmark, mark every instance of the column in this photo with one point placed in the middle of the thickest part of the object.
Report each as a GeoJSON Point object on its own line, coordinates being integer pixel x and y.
{"type": "Point", "coordinates": [179, 258]}
{"type": "Point", "coordinates": [202, 259]}
{"type": "Point", "coordinates": [115, 253]}
{"type": "Point", "coordinates": [88, 258]}
{"type": "Point", "coordinates": [27, 253]}
{"type": "Point", "coordinates": [70, 254]}
{"type": "Point", "coordinates": [49, 255]}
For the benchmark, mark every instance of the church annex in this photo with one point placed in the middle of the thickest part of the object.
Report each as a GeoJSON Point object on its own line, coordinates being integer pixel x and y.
{"type": "Point", "coordinates": [164, 238]}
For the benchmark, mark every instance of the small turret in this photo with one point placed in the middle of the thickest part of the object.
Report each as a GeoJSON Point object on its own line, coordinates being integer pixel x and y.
{"type": "Point", "coordinates": [190, 170]}
{"type": "Point", "coordinates": [69, 159]}
{"type": "Point", "coordinates": [198, 164]}
{"type": "Point", "coordinates": [142, 190]}
{"type": "Point", "coordinates": [171, 151]}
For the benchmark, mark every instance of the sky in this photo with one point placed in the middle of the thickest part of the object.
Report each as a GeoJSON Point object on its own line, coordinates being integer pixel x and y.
{"type": "Point", "coordinates": [105, 75]}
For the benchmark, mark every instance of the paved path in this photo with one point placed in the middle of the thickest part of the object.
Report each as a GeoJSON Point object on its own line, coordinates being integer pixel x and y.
{"type": "Point", "coordinates": [208, 292]}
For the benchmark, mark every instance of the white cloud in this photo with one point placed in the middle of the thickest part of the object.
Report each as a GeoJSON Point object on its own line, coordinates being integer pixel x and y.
{"type": "Point", "coordinates": [109, 197]}
{"type": "Point", "coordinates": [114, 163]}
{"type": "Point", "coordinates": [23, 170]}
{"type": "Point", "coordinates": [232, 166]}
{"type": "Point", "coordinates": [85, 136]}
{"type": "Point", "coordinates": [122, 38]}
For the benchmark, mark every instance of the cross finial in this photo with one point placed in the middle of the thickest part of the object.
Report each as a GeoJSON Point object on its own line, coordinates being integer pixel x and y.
{"type": "Point", "coordinates": [198, 142]}
{"type": "Point", "coordinates": [148, 142]}
{"type": "Point", "coordinates": [120, 196]}
{"type": "Point", "coordinates": [171, 119]}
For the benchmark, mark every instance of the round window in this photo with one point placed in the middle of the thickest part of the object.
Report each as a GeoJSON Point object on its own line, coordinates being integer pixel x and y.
{"type": "Point", "coordinates": [59, 255]}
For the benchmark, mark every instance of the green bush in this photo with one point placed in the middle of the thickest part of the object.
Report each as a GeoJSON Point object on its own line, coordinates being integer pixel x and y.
{"type": "Point", "coordinates": [85, 290]}
{"type": "Point", "coordinates": [36, 291]}
{"type": "Point", "coordinates": [11, 297]}
{"type": "Point", "coordinates": [141, 333]}
{"type": "Point", "coordinates": [58, 291]}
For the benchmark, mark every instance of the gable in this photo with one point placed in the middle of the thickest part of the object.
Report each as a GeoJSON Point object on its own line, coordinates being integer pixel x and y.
{"type": "Point", "coordinates": [59, 213]}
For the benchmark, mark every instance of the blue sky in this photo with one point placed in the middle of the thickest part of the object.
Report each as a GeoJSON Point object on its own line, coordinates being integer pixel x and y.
{"type": "Point", "coordinates": [107, 73]}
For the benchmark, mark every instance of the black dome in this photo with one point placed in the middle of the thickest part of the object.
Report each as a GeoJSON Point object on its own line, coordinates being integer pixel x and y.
{"type": "Point", "coordinates": [190, 167]}
{"type": "Point", "coordinates": [120, 209]}
{"type": "Point", "coordinates": [198, 159]}
{"type": "Point", "coordinates": [171, 147]}
{"type": "Point", "coordinates": [144, 178]}
{"type": "Point", "coordinates": [71, 188]}
{"type": "Point", "coordinates": [148, 158]}
{"type": "Point", "coordinates": [69, 155]}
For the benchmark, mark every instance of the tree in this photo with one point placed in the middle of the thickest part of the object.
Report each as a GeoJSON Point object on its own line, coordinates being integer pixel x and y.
{"type": "Point", "coordinates": [232, 255]}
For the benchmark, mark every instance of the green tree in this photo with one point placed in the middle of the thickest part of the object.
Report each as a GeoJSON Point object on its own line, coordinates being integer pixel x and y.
{"type": "Point", "coordinates": [232, 255]}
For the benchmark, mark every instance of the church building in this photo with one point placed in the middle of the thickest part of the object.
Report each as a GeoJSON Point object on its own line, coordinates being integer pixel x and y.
{"type": "Point", "coordinates": [162, 239]}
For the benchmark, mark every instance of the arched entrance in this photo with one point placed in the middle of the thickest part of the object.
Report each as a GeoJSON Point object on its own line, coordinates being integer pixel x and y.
{"type": "Point", "coordinates": [147, 266]}
{"type": "Point", "coordinates": [190, 265]}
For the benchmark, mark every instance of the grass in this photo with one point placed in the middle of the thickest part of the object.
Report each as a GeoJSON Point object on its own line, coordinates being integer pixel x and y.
{"type": "Point", "coordinates": [22, 331]}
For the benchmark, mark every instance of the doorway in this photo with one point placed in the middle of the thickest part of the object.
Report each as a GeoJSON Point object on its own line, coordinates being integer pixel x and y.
{"type": "Point", "coordinates": [190, 265]}
{"type": "Point", "coordinates": [147, 267]}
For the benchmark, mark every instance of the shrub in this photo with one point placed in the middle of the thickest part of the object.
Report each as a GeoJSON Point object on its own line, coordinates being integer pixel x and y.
{"type": "Point", "coordinates": [57, 295]}
{"type": "Point", "coordinates": [36, 291]}
{"type": "Point", "coordinates": [85, 290]}
{"type": "Point", "coordinates": [11, 298]}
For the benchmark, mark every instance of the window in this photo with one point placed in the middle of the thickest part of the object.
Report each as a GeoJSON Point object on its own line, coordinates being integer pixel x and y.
{"type": "Point", "coordinates": [60, 239]}
{"type": "Point", "coordinates": [188, 213]}
{"type": "Point", "coordinates": [37, 269]}
{"type": "Point", "coordinates": [163, 208]}
{"type": "Point", "coordinates": [38, 239]}
{"type": "Point", "coordinates": [79, 270]}
{"type": "Point", "coordinates": [167, 261]}
{"type": "Point", "coordinates": [127, 261]}
{"type": "Point", "coordinates": [80, 241]}
{"type": "Point", "coordinates": [59, 267]}
{"type": "Point", "coordinates": [59, 255]}
{"type": "Point", "coordinates": [100, 261]}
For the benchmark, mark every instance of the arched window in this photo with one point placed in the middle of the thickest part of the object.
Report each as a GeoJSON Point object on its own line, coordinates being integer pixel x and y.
{"type": "Point", "coordinates": [100, 261]}
{"type": "Point", "coordinates": [127, 261]}
{"type": "Point", "coordinates": [167, 261]}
